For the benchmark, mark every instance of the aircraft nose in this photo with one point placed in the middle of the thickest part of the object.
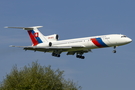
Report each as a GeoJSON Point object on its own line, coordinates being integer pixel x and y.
{"type": "Point", "coordinates": [129, 40]}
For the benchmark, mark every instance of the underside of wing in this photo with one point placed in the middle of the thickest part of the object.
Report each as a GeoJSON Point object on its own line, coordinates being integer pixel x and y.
{"type": "Point", "coordinates": [57, 50]}
{"type": "Point", "coordinates": [49, 49]}
{"type": "Point", "coordinates": [44, 49]}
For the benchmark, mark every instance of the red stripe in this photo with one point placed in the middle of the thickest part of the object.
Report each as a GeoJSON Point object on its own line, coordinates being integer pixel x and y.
{"type": "Point", "coordinates": [33, 39]}
{"type": "Point", "coordinates": [96, 42]}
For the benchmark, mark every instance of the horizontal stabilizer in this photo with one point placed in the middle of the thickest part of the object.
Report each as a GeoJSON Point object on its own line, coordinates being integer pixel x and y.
{"type": "Point", "coordinates": [26, 28]}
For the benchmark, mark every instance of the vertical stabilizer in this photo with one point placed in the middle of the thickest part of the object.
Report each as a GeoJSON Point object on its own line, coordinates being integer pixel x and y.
{"type": "Point", "coordinates": [35, 35]}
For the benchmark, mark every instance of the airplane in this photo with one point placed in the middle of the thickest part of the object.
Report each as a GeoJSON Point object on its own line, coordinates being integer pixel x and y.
{"type": "Point", "coordinates": [78, 46]}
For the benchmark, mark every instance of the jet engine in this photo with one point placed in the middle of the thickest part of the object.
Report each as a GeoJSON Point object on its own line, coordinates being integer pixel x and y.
{"type": "Point", "coordinates": [53, 37]}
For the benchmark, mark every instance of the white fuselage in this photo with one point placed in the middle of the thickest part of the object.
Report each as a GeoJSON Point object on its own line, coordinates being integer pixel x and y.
{"type": "Point", "coordinates": [93, 42]}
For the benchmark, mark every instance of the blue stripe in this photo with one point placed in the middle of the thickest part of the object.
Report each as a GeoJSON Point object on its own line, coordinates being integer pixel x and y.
{"type": "Point", "coordinates": [37, 38]}
{"type": "Point", "coordinates": [101, 42]}
{"type": "Point", "coordinates": [32, 31]}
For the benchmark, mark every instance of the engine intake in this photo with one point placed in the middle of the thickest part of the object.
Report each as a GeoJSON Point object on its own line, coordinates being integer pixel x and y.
{"type": "Point", "coordinates": [50, 44]}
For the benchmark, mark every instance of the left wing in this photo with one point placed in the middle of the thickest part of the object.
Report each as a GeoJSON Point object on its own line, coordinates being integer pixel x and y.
{"type": "Point", "coordinates": [48, 49]}
{"type": "Point", "coordinates": [57, 50]}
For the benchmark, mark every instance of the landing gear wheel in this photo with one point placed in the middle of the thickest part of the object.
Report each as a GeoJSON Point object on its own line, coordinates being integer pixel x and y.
{"type": "Point", "coordinates": [114, 51]}
{"type": "Point", "coordinates": [77, 56]}
{"type": "Point", "coordinates": [56, 55]}
{"type": "Point", "coordinates": [53, 54]}
{"type": "Point", "coordinates": [80, 56]}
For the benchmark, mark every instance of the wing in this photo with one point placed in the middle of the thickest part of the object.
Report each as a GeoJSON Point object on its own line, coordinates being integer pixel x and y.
{"type": "Point", "coordinates": [57, 50]}
{"type": "Point", "coordinates": [49, 49]}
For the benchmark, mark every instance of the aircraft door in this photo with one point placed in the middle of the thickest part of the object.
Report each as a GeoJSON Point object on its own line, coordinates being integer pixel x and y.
{"type": "Point", "coordinates": [106, 40]}
{"type": "Point", "coordinates": [90, 43]}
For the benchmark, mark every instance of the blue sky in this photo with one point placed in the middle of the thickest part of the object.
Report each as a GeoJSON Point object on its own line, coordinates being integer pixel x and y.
{"type": "Point", "coordinates": [102, 69]}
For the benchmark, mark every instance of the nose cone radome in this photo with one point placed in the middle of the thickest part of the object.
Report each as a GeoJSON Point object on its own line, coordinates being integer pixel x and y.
{"type": "Point", "coordinates": [129, 40]}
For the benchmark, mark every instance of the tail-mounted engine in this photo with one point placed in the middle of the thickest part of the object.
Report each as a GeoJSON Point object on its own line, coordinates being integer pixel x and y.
{"type": "Point", "coordinates": [53, 37]}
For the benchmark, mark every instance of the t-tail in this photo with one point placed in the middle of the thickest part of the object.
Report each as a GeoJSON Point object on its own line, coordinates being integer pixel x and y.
{"type": "Point", "coordinates": [35, 35]}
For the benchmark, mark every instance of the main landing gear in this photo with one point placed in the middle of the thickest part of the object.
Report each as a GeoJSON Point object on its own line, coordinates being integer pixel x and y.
{"type": "Point", "coordinates": [80, 56]}
{"type": "Point", "coordinates": [114, 51]}
{"type": "Point", "coordinates": [56, 55]}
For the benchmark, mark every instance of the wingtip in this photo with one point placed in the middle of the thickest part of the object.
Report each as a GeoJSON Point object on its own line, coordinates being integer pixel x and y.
{"type": "Point", "coordinates": [6, 27]}
{"type": "Point", "coordinates": [11, 46]}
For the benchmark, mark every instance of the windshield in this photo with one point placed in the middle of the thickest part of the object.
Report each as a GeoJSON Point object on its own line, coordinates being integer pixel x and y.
{"type": "Point", "coordinates": [123, 36]}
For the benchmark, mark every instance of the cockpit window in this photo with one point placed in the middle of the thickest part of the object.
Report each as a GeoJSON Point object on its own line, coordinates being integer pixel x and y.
{"type": "Point", "coordinates": [123, 36]}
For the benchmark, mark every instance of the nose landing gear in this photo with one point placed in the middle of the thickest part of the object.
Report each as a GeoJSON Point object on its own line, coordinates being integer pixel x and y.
{"type": "Point", "coordinates": [114, 51]}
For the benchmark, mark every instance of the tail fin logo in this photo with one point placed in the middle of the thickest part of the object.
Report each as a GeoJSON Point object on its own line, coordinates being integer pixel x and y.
{"type": "Point", "coordinates": [36, 34]}
{"type": "Point", "coordinates": [34, 37]}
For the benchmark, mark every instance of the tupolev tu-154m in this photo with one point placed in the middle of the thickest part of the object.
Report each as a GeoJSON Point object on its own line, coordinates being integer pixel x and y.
{"type": "Point", "coordinates": [77, 46]}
